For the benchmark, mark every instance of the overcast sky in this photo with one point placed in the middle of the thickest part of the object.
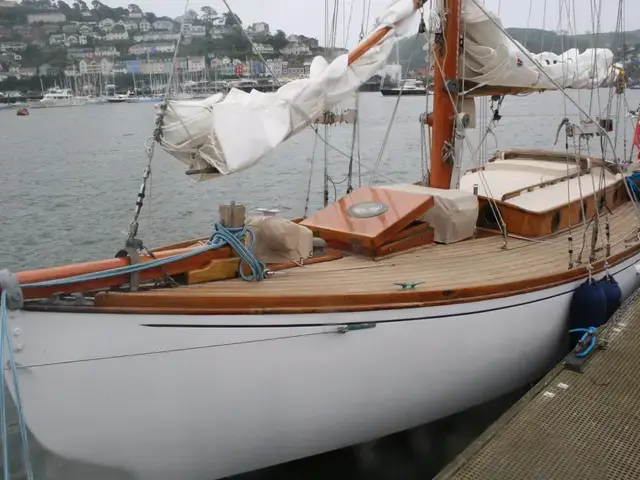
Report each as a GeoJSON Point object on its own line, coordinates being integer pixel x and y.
{"type": "Point", "coordinates": [307, 16]}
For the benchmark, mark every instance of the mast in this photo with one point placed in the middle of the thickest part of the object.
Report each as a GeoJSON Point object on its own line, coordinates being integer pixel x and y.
{"type": "Point", "coordinates": [446, 50]}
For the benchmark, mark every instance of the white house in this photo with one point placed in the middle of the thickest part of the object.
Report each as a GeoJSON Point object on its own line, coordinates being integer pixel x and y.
{"type": "Point", "coordinates": [196, 64]}
{"type": "Point", "coordinates": [293, 38]}
{"type": "Point", "coordinates": [56, 39]}
{"type": "Point", "coordinates": [275, 66]}
{"type": "Point", "coordinates": [107, 24]}
{"type": "Point", "coordinates": [13, 47]}
{"type": "Point", "coordinates": [166, 25]}
{"type": "Point", "coordinates": [263, 48]}
{"type": "Point", "coordinates": [144, 48]}
{"type": "Point", "coordinates": [218, 31]}
{"type": "Point", "coordinates": [46, 17]}
{"type": "Point", "coordinates": [85, 30]}
{"type": "Point", "coordinates": [103, 66]}
{"type": "Point", "coordinates": [259, 28]}
{"type": "Point", "coordinates": [104, 51]}
{"type": "Point", "coordinates": [113, 36]}
{"type": "Point", "coordinates": [197, 31]}
{"type": "Point", "coordinates": [144, 25]}
{"type": "Point", "coordinates": [131, 25]}
{"type": "Point", "coordinates": [160, 36]}
{"type": "Point", "coordinates": [296, 49]}
{"type": "Point", "coordinates": [136, 15]}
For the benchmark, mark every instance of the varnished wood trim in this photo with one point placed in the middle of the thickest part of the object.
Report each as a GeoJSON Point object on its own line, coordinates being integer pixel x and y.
{"type": "Point", "coordinates": [539, 224]}
{"type": "Point", "coordinates": [530, 188]}
{"type": "Point", "coordinates": [174, 268]}
{"type": "Point", "coordinates": [197, 303]}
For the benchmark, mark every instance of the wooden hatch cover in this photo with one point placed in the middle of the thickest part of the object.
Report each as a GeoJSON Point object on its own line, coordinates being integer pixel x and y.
{"type": "Point", "coordinates": [369, 217]}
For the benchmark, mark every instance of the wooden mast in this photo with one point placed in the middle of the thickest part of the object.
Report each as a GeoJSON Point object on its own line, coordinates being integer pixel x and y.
{"type": "Point", "coordinates": [446, 51]}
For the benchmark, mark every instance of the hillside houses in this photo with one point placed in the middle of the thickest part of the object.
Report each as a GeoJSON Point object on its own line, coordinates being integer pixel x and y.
{"type": "Point", "coordinates": [95, 41]}
{"type": "Point", "coordinates": [296, 49]}
{"type": "Point", "coordinates": [144, 25]}
{"type": "Point", "coordinates": [46, 17]}
{"type": "Point", "coordinates": [107, 24]}
{"type": "Point", "coordinates": [258, 29]}
{"type": "Point", "coordinates": [165, 24]}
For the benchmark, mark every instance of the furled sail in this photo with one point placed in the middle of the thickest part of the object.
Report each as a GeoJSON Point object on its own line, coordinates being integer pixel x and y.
{"type": "Point", "coordinates": [225, 134]}
{"type": "Point", "coordinates": [491, 58]}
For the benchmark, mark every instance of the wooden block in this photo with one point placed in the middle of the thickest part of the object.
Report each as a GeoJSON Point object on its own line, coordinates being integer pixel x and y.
{"type": "Point", "coordinates": [407, 243]}
{"type": "Point", "coordinates": [232, 216]}
{"type": "Point", "coordinates": [216, 270]}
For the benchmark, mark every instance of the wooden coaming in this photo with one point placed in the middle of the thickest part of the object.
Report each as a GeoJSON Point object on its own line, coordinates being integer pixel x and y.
{"type": "Point", "coordinates": [471, 270]}
{"type": "Point", "coordinates": [540, 224]}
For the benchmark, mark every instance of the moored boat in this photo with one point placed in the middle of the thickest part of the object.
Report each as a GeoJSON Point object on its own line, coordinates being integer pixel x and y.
{"type": "Point", "coordinates": [224, 354]}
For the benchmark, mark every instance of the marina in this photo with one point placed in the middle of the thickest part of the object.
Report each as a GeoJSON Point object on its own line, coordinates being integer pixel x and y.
{"type": "Point", "coordinates": [571, 425]}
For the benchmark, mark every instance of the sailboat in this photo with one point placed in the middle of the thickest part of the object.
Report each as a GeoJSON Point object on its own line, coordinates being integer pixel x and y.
{"type": "Point", "coordinates": [397, 305]}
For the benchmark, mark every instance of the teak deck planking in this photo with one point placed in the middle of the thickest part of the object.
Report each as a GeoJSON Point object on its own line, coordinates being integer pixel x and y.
{"type": "Point", "coordinates": [470, 270]}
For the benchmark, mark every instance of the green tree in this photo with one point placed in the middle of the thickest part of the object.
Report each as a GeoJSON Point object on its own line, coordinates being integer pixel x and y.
{"type": "Point", "coordinates": [278, 41]}
{"type": "Point", "coordinates": [209, 14]}
{"type": "Point", "coordinates": [133, 8]}
{"type": "Point", "coordinates": [231, 19]}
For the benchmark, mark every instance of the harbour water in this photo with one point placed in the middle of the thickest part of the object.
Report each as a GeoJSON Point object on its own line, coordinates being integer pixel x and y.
{"type": "Point", "coordinates": [69, 176]}
{"type": "Point", "coordinates": [69, 179]}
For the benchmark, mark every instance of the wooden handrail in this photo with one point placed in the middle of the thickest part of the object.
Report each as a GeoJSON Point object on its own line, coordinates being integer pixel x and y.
{"type": "Point", "coordinates": [546, 183]}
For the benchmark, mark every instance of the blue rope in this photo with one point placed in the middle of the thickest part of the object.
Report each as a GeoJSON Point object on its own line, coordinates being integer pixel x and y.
{"type": "Point", "coordinates": [26, 453]}
{"type": "Point", "coordinates": [633, 180]}
{"type": "Point", "coordinates": [592, 344]}
{"type": "Point", "coordinates": [233, 236]}
{"type": "Point", "coordinates": [221, 236]}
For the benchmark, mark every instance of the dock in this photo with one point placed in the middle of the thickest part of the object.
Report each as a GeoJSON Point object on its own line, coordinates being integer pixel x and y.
{"type": "Point", "coordinates": [570, 425]}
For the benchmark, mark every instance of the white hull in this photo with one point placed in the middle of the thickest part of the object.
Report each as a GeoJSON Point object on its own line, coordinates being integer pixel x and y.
{"type": "Point", "coordinates": [143, 396]}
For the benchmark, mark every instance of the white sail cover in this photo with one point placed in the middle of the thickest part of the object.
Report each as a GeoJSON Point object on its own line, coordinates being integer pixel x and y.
{"type": "Point", "coordinates": [229, 134]}
{"type": "Point", "coordinates": [491, 58]}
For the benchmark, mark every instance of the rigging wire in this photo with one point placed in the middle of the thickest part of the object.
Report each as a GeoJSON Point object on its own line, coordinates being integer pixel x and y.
{"type": "Point", "coordinates": [132, 240]}
{"type": "Point", "coordinates": [559, 87]}
{"type": "Point", "coordinates": [393, 116]}
{"type": "Point", "coordinates": [313, 156]}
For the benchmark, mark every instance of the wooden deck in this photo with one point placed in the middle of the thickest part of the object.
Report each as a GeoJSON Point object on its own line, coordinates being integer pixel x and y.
{"type": "Point", "coordinates": [470, 270]}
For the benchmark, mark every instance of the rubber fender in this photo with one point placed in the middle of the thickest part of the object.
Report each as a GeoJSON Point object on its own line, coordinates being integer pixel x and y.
{"type": "Point", "coordinates": [613, 293]}
{"type": "Point", "coordinates": [588, 308]}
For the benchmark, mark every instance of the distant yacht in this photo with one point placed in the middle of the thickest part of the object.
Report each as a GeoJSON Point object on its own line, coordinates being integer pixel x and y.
{"type": "Point", "coordinates": [61, 97]}
{"type": "Point", "coordinates": [411, 87]}
{"type": "Point", "coordinates": [144, 99]}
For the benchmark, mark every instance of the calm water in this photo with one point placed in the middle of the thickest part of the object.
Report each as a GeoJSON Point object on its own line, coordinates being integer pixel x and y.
{"type": "Point", "coordinates": [69, 179]}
